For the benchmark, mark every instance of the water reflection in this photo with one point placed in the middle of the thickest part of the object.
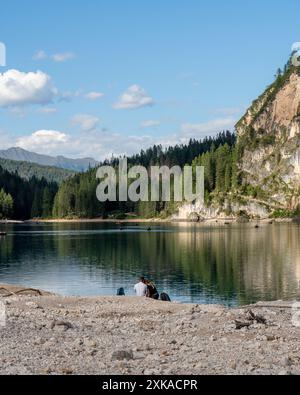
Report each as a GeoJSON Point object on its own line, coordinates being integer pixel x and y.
{"type": "Point", "coordinates": [193, 263]}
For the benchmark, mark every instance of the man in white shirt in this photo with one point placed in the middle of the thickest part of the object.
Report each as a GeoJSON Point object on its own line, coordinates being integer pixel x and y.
{"type": "Point", "coordinates": [141, 288]}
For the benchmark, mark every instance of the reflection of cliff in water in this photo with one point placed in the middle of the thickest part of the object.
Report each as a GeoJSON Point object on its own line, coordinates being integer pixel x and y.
{"type": "Point", "coordinates": [202, 263]}
{"type": "Point", "coordinates": [251, 264]}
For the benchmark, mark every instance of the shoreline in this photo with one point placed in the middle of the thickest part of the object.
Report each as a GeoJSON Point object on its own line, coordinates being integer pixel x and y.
{"type": "Point", "coordinates": [218, 221]}
{"type": "Point", "coordinates": [129, 335]}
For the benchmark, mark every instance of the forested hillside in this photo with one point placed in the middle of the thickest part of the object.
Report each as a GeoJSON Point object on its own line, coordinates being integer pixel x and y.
{"type": "Point", "coordinates": [34, 195]}
{"type": "Point", "coordinates": [27, 170]}
{"type": "Point", "coordinates": [221, 173]}
{"type": "Point", "coordinates": [19, 154]}
{"type": "Point", "coordinates": [21, 199]}
{"type": "Point", "coordinates": [181, 155]}
{"type": "Point", "coordinates": [77, 196]}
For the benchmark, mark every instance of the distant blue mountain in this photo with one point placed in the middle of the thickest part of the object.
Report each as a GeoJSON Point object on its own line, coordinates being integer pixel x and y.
{"type": "Point", "coordinates": [21, 155]}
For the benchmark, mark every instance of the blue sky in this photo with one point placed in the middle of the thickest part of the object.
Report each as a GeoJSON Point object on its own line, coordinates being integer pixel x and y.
{"type": "Point", "coordinates": [96, 77]}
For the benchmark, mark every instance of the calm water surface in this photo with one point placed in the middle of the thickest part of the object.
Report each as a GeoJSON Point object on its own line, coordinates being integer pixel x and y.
{"type": "Point", "coordinates": [233, 265]}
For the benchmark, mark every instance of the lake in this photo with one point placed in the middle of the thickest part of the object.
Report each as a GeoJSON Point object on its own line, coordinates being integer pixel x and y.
{"type": "Point", "coordinates": [233, 265]}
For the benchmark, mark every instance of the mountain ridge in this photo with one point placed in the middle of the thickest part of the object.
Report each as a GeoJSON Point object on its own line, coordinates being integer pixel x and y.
{"type": "Point", "coordinates": [27, 170]}
{"type": "Point", "coordinates": [22, 155]}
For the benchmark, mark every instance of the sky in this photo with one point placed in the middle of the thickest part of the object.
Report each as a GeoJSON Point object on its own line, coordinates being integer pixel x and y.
{"type": "Point", "coordinates": [97, 78]}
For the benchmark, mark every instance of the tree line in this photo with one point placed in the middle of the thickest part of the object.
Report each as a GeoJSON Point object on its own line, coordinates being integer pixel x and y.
{"type": "Point", "coordinates": [76, 196]}
{"type": "Point", "coordinates": [22, 199]}
{"type": "Point", "coordinates": [221, 170]}
{"type": "Point", "coordinates": [6, 204]}
{"type": "Point", "coordinates": [27, 170]}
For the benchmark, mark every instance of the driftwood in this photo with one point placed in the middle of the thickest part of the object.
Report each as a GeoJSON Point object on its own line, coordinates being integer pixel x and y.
{"type": "Point", "coordinates": [266, 305]}
{"type": "Point", "coordinates": [251, 319]}
{"type": "Point", "coordinates": [9, 293]}
{"type": "Point", "coordinates": [20, 291]}
{"type": "Point", "coordinates": [258, 318]}
{"type": "Point", "coordinates": [29, 290]}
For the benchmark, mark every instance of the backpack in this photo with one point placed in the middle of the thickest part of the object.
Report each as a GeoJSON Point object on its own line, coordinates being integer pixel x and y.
{"type": "Point", "coordinates": [165, 297]}
{"type": "Point", "coordinates": [121, 292]}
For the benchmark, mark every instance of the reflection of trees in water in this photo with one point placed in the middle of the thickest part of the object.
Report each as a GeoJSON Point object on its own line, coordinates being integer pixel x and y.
{"type": "Point", "coordinates": [256, 264]}
{"type": "Point", "coordinates": [273, 262]}
{"type": "Point", "coordinates": [26, 250]}
{"type": "Point", "coordinates": [6, 246]}
{"type": "Point", "coordinates": [251, 264]}
{"type": "Point", "coordinates": [237, 262]}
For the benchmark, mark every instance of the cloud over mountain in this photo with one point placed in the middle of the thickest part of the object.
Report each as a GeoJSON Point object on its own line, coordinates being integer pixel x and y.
{"type": "Point", "coordinates": [50, 139]}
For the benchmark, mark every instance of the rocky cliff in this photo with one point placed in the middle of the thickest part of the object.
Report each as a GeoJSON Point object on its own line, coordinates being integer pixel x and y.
{"type": "Point", "coordinates": [268, 156]}
{"type": "Point", "coordinates": [269, 136]}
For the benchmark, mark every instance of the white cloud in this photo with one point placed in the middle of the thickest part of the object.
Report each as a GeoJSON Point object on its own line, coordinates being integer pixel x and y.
{"type": "Point", "coordinates": [58, 57]}
{"type": "Point", "coordinates": [96, 144]}
{"type": "Point", "coordinates": [46, 141]}
{"type": "Point", "coordinates": [93, 96]}
{"type": "Point", "coordinates": [103, 144]}
{"type": "Point", "coordinates": [47, 110]}
{"type": "Point", "coordinates": [135, 97]}
{"type": "Point", "coordinates": [200, 130]}
{"type": "Point", "coordinates": [40, 55]}
{"type": "Point", "coordinates": [18, 88]}
{"type": "Point", "coordinates": [149, 124]}
{"type": "Point", "coordinates": [62, 57]}
{"type": "Point", "coordinates": [85, 122]}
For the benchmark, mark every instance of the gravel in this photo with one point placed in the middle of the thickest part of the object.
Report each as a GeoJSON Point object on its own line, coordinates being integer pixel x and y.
{"type": "Point", "coordinates": [51, 335]}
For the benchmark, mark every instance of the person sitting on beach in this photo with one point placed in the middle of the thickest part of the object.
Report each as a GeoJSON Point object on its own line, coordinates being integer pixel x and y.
{"type": "Point", "coordinates": [152, 292]}
{"type": "Point", "coordinates": [141, 288]}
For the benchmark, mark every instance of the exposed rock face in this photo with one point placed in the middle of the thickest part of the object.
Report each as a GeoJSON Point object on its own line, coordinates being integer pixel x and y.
{"type": "Point", "coordinates": [270, 131]}
{"type": "Point", "coordinates": [269, 145]}
{"type": "Point", "coordinates": [217, 211]}
{"type": "Point", "coordinates": [279, 114]}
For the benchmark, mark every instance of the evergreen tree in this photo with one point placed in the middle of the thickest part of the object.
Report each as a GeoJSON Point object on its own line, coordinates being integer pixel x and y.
{"type": "Point", "coordinates": [6, 205]}
{"type": "Point", "coordinates": [27, 195]}
{"type": "Point", "coordinates": [35, 197]}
